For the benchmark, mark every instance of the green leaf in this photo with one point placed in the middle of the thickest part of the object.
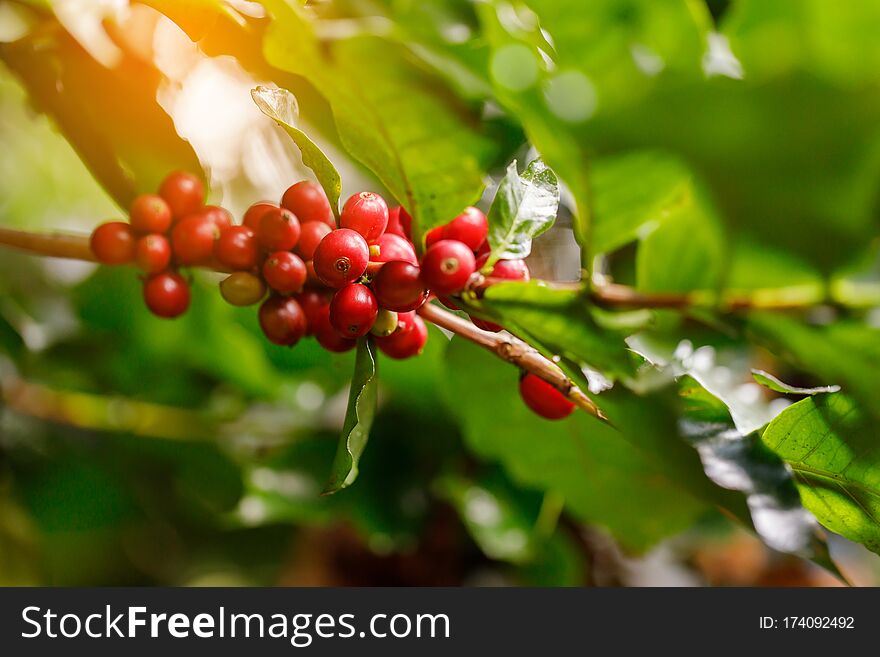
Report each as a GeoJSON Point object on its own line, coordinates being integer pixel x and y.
{"type": "Point", "coordinates": [721, 420]}
{"type": "Point", "coordinates": [744, 464]}
{"type": "Point", "coordinates": [632, 191]}
{"type": "Point", "coordinates": [524, 207]}
{"type": "Point", "coordinates": [404, 124]}
{"type": "Point", "coordinates": [562, 319]}
{"type": "Point", "coordinates": [686, 251]}
{"type": "Point", "coordinates": [741, 462]}
{"type": "Point", "coordinates": [110, 116]}
{"type": "Point", "coordinates": [846, 352]}
{"type": "Point", "coordinates": [831, 446]}
{"type": "Point", "coordinates": [769, 381]}
{"type": "Point", "coordinates": [604, 479]}
{"type": "Point", "coordinates": [281, 106]}
{"type": "Point", "coordinates": [362, 399]}
{"type": "Point", "coordinates": [746, 408]}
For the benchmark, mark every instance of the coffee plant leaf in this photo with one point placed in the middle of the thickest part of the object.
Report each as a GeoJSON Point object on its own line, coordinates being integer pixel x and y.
{"type": "Point", "coordinates": [128, 149]}
{"type": "Point", "coordinates": [525, 206]}
{"type": "Point", "coordinates": [831, 445]}
{"type": "Point", "coordinates": [281, 106]}
{"type": "Point", "coordinates": [422, 143]}
{"type": "Point", "coordinates": [741, 462]}
{"type": "Point", "coordinates": [362, 401]}
{"type": "Point", "coordinates": [564, 322]}
{"type": "Point", "coordinates": [604, 479]}
{"type": "Point", "coordinates": [769, 381]}
{"type": "Point", "coordinates": [846, 352]}
{"type": "Point", "coordinates": [632, 192]}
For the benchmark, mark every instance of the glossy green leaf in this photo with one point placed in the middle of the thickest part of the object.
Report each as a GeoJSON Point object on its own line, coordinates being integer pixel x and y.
{"type": "Point", "coordinates": [422, 143]}
{"type": "Point", "coordinates": [524, 207]}
{"type": "Point", "coordinates": [280, 105]}
{"type": "Point", "coordinates": [769, 381]}
{"type": "Point", "coordinates": [743, 405]}
{"type": "Point", "coordinates": [563, 321]}
{"type": "Point", "coordinates": [846, 352]}
{"type": "Point", "coordinates": [605, 480]}
{"type": "Point", "coordinates": [362, 399]}
{"type": "Point", "coordinates": [742, 463]}
{"type": "Point", "coordinates": [831, 446]}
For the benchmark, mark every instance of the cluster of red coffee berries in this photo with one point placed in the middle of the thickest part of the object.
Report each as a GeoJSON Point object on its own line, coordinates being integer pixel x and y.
{"type": "Point", "coordinates": [311, 277]}
{"type": "Point", "coordinates": [167, 230]}
{"type": "Point", "coordinates": [320, 279]}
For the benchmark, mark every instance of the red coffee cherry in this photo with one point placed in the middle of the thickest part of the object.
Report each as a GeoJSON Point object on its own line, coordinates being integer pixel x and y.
{"type": "Point", "coordinates": [341, 257]}
{"type": "Point", "coordinates": [399, 222]}
{"type": "Point", "coordinates": [311, 234]}
{"type": "Point", "coordinates": [366, 213]}
{"type": "Point", "coordinates": [153, 253]}
{"type": "Point", "coordinates": [254, 213]}
{"type": "Point", "coordinates": [307, 200]}
{"type": "Point", "coordinates": [406, 321]}
{"type": "Point", "coordinates": [513, 270]}
{"type": "Point", "coordinates": [242, 288]}
{"type": "Point", "coordinates": [470, 227]}
{"type": "Point", "coordinates": [405, 343]}
{"type": "Point", "coordinates": [113, 243]}
{"type": "Point", "coordinates": [353, 310]}
{"type": "Point", "coordinates": [399, 287]}
{"type": "Point", "coordinates": [394, 247]}
{"type": "Point", "coordinates": [183, 192]}
{"type": "Point", "coordinates": [149, 213]}
{"type": "Point", "coordinates": [543, 398]}
{"type": "Point", "coordinates": [285, 272]}
{"type": "Point", "coordinates": [312, 303]}
{"type": "Point", "coordinates": [220, 216]}
{"type": "Point", "coordinates": [447, 266]}
{"type": "Point", "coordinates": [279, 230]}
{"type": "Point", "coordinates": [282, 320]}
{"type": "Point", "coordinates": [327, 336]}
{"type": "Point", "coordinates": [193, 238]}
{"type": "Point", "coordinates": [237, 248]}
{"type": "Point", "coordinates": [166, 294]}
{"type": "Point", "coordinates": [433, 236]}
{"type": "Point", "coordinates": [311, 276]}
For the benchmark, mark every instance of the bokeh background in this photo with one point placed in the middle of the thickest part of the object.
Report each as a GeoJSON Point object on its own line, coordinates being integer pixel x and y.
{"type": "Point", "coordinates": [139, 451]}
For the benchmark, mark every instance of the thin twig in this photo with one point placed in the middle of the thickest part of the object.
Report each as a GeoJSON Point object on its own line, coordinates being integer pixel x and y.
{"type": "Point", "coordinates": [514, 351]}
{"type": "Point", "coordinates": [613, 295]}
{"type": "Point", "coordinates": [53, 245]}
{"type": "Point", "coordinates": [623, 297]}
